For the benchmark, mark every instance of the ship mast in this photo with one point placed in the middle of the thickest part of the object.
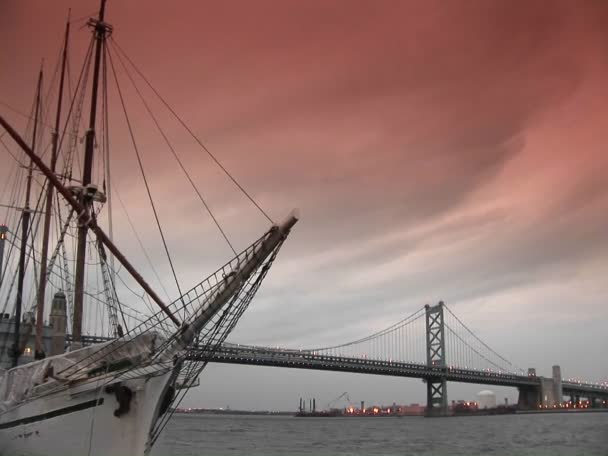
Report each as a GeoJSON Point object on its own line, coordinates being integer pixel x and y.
{"type": "Point", "coordinates": [39, 352]}
{"type": "Point", "coordinates": [86, 197]}
{"type": "Point", "coordinates": [3, 231]}
{"type": "Point", "coordinates": [25, 226]}
{"type": "Point", "coordinates": [89, 221]}
{"type": "Point", "coordinates": [83, 202]}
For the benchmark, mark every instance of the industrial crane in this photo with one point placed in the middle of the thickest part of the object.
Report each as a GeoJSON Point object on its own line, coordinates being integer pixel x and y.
{"type": "Point", "coordinates": [330, 404]}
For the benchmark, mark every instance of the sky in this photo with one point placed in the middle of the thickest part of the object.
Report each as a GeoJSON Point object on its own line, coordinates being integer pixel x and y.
{"type": "Point", "coordinates": [435, 150]}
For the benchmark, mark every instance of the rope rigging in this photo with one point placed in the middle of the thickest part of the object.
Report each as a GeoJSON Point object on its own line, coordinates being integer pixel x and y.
{"type": "Point", "coordinates": [13, 156]}
{"type": "Point", "coordinates": [77, 102]}
{"type": "Point", "coordinates": [193, 298]}
{"type": "Point", "coordinates": [232, 295]}
{"type": "Point", "coordinates": [140, 243]}
{"type": "Point", "coordinates": [30, 117]}
{"type": "Point", "coordinates": [179, 161]}
{"type": "Point", "coordinates": [73, 118]}
{"type": "Point", "coordinates": [143, 173]}
{"type": "Point", "coordinates": [70, 128]}
{"type": "Point", "coordinates": [189, 130]}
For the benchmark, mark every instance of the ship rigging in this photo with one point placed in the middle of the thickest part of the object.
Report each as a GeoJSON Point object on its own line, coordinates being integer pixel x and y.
{"type": "Point", "coordinates": [119, 394]}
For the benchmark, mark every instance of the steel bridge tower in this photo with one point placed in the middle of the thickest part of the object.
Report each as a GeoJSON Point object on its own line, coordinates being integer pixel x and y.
{"type": "Point", "coordinates": [436, 392]}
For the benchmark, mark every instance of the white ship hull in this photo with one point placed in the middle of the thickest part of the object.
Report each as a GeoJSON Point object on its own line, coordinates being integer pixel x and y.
{"type": "Point", "coordinates": [81, 421]}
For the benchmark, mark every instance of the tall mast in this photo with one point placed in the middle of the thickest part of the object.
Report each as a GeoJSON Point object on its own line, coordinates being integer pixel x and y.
{"type": "Point", "coordinates": [25, 226]}
{"type": "Point", "coordinates": [3, 231]}
{"type": "Point", "coordinates": [100, 30]}
{"type": "Point", "coordinates": [39, 353]}
{"type": "Point", "coordinates": [88, 220]}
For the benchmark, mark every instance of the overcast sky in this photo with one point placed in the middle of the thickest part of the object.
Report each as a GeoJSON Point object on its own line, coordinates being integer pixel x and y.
{"type": "Point", "coordinates": [436, 150]}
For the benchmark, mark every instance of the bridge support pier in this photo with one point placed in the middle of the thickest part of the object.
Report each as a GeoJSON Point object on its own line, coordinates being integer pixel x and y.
{"type": "Point", "coordinates": [547, 392]}
{"type": "Point", "coordinates": [558, 388]}
{"type": "Point", "coordinates": [436, 398]}
{"type": "Point", "coordinates": [529, 397]}
{"type": "Point", "coordinates": [436, 391]}
{"type": "Point", "coordinates": [545, 395]}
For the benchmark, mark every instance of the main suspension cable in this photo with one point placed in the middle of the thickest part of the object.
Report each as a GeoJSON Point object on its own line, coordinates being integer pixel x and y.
{"type": "Point", "coordinates": [478, 339]}
{"type": "Point", "coordinates": [406, 321]}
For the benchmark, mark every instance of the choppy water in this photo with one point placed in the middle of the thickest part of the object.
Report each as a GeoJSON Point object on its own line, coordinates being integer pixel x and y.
{"type": "Point", "coordinates": [510, 435]}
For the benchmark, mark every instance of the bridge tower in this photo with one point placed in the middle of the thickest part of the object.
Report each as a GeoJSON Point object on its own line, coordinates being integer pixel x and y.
{"type": "Point", "coordinates": [436, 392]}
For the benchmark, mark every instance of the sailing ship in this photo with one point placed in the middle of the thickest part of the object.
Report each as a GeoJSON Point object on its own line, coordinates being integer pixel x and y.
{"type": "Point", "coordinates": [82, 395]}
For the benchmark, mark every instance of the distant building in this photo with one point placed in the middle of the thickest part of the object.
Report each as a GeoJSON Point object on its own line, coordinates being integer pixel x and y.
{"type": "Point", "coordinates": [486, 399]}
{"type": "Point", "coordinates": [7, 335]}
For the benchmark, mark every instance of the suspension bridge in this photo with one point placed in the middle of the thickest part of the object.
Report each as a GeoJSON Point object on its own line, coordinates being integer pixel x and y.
{"type": "Point", "coordinates": [432, 344]}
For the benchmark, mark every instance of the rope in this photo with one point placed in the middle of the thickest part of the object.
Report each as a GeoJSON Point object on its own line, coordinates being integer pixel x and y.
{"type": "Point", "coordinates": [82, 18]}
{"type": "Point", "coordinates": [141, 245]}
{"type": "Point", "coordinates": [22, 114]}
{"type": "Point", "coordinates": [187, 128]}
{"type": "Point", "coordinates": [183, 168]}
{"type": "Point", "coordinates": [141, 168]}
{"type": "Point", "coordinates": [219, 331]}
{"type": "Point", "coordinates": [13, 156]}
{"type": "Point", "coordinates": [148, 326]}
{"type": "Point", "coordinates": [81, 85]}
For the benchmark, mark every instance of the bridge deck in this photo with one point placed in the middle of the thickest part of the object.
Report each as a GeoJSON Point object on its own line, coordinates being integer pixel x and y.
{"type": "Point", "coordinates": [296, 359]}
{"type": "Point", "coordinates": [302, 359]}
{"type": "Point", "coordinates": [262, 356]}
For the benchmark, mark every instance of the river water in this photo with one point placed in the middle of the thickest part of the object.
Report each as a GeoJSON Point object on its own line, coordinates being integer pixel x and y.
{"type": "Point", "coordinates": [508, 435]}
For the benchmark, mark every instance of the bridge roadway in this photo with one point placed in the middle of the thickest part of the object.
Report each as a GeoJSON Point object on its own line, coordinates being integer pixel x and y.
{"type": "Point", "coordinates": [251, 355]}
{"type": "Point", "coordinates": [302, 359]}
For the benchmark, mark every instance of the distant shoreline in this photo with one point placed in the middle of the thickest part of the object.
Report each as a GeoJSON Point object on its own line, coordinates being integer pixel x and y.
{"type": "Point", "coordinates": [562, 410]}
{"type": "Point", "coordinates": [232, 412]}
{"type": "Point", "coordinates": [288, 413]}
